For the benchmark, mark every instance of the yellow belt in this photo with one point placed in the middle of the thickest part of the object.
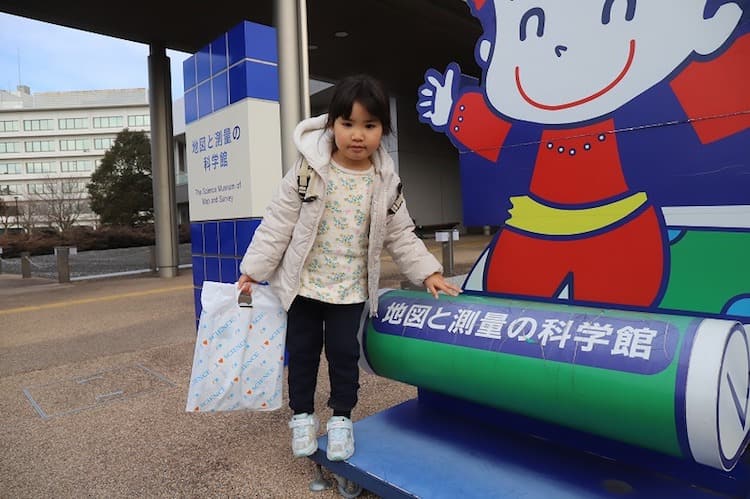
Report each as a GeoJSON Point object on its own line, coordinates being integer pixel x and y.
{"type": "Point", "coordinates": [532, 216]}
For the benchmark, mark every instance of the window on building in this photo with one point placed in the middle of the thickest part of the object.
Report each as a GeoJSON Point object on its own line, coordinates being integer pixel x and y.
{"type": "Point", "coordinates": [80, 165]}
{"type": "Point", "coordinates": [10, 168]}
{"type": "Point", "coordinates": [8, 126]}
{"type": "Point", "coordinates": [42, 188]}
{"type": "Point", "coordinates": [103, 143]}
{"type": "Point", "coordinates": [73, 187]}
{"type": "Point", "coordinates": [39, 145]}
{"type": "Point", "coordinates": [139, 120]}
{"type": "Point", "coordinates": [35, 125]}
{"type": "Point", "coordinates": [9, 147]}
{"type": "Point", "coordinates": [40, 167]}
{"type": "Point", "coordinates": [8, 189]}
{"type": "Point", "coordinates": [84, 208]}
{"type": "Point", "coordinates": [72, 123]}
{"type": "Point", "coordinates": [75, 145]}
{"type": "Point", "coordinates": [108, 122]}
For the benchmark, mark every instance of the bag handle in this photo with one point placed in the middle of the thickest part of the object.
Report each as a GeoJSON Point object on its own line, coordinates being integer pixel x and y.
{"type": "Point", "coordinates": [243, 300]}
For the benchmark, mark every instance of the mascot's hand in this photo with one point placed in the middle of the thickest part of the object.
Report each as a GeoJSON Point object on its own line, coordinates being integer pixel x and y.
{"type": "Point", "coordinates": [435, 98]}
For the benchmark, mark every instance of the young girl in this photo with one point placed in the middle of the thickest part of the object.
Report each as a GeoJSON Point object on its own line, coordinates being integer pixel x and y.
{"type": "Point", "coordinates": [319, 246]}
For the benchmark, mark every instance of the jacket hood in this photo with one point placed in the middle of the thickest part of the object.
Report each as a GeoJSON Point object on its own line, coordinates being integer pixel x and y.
{"type": "Point", "coordinates": [315, 142]}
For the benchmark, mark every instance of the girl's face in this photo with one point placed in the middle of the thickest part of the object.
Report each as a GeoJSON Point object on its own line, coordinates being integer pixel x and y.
{"type": "Point", "coordinates": [356, 138]}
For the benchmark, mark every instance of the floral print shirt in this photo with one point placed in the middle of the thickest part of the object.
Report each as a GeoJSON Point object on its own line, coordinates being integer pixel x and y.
{"type": "Point", "coordinates": [336, 268]}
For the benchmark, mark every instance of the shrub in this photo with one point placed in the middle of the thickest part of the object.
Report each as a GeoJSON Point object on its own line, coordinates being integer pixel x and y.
{"type": "Point", "coordinates": [84, 239]}
{"type": "Point", "coordinates": [35, 243]}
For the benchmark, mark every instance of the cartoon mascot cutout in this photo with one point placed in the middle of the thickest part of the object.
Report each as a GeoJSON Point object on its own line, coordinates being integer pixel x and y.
{"type": "Point", "coordinates": [609, 140]}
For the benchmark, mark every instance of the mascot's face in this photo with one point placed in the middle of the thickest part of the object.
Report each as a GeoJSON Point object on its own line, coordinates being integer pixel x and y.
{"type": "Point", "coordinates": [558, 62]}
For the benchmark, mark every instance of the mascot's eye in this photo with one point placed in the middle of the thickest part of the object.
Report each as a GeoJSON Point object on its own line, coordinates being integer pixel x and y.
{"type": "Point", "coordinates": [535, 12]}
{"type": "Point", "coordinates": [607, 11]}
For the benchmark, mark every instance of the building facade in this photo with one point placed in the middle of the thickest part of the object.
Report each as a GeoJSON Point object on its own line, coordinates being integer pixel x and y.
{"type": "Point", "coordinates": [51, 143]}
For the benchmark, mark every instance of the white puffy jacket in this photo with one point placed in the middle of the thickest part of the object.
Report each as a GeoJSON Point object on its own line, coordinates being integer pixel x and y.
{"type": "Point", "coordinates": [284, 238]}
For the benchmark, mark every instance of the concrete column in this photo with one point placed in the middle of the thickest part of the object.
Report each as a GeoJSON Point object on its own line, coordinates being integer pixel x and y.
{"type": "Point", "coordinates": [152, 258]}
{"type": "Point", "coordinates": [62, 254]}
{"type": "Point", "coordinates": [162, 160]}
{"type": "Point", "coordinates": [448, 257]}
{"type": "Point", "coordinates": [25, 264]}
{"type": "Point", "coordinates": [294, 81]}
{"type": "Point", "coordinates": [447, 237]}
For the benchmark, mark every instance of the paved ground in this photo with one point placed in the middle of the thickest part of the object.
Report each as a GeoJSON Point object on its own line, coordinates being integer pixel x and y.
{"type": "Point", "coordinates": [93, 376]}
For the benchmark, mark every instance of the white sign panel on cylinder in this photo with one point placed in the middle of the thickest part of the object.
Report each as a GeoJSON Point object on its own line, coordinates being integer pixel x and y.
{"type": "Point", "coordinates": [233, 161]}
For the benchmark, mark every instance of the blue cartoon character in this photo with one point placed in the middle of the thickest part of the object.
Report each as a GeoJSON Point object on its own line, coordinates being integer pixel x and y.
{"type": "Point", "coordinates": [606, 128]}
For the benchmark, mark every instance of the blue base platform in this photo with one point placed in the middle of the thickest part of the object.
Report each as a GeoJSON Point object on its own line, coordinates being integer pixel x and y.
{"type": "Point", "coordinates": [414, 450]}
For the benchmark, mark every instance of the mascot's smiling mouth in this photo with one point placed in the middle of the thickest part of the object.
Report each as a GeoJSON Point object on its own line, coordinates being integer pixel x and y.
{"type": "Point", "coordinates": [567, 105]}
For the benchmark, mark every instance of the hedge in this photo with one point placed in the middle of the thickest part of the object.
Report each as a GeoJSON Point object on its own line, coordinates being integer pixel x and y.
{"type": "Point", "coordinates": [84, 239]}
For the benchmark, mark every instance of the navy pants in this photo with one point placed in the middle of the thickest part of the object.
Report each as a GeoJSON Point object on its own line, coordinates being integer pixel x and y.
{"type": "Point", "coordinates": [311, 325]}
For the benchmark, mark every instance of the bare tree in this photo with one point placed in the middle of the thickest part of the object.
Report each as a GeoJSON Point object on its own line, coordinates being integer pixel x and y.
{"type": "Point", "coordinates": [27, 216]}
{"type": "Point", "coordinates": [4, 215]}
{"type": "Point", "coordinates": [60, 202]}
{"type": "Point", "coordinates": [10, 214]}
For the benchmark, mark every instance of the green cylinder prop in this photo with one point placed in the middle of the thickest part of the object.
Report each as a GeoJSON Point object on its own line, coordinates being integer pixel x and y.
{"type": "Point", "coordinates": [673, 384]}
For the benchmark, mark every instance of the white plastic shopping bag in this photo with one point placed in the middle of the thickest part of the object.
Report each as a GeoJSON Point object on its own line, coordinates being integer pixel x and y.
{"type": "Point", "coordinates": [239, 352]}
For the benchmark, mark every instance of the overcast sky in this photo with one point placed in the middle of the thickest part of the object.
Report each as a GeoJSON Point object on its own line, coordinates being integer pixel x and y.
{"type": "Point", "coordinates": [54, 59]}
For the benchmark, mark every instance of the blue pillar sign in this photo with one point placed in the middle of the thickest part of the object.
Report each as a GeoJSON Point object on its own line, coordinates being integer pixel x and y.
{"type": "Point", "coordinates": [233, 144]}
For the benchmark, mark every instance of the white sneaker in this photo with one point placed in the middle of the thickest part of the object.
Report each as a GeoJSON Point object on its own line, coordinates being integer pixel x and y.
{"type": "Point", "coordinates": [340, 438]}
{"type": "Point", "coordinates": [304, 434]}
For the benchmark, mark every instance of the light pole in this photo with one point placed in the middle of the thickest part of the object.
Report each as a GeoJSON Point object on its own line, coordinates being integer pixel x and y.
{"type": "Point", "coordinates": [17, 224]}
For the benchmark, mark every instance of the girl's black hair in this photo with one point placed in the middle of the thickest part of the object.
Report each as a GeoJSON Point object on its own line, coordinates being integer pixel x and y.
{"type": "Point", "coordinates": [366, 90]}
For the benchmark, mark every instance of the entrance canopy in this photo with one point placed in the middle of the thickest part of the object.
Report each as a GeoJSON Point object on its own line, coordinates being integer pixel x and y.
{"type": "Point", "coordinates": [395, 40]}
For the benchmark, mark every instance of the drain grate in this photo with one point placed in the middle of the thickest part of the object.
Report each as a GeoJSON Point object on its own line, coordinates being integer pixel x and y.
{"type": "Point", "coordinates": [94, 390]}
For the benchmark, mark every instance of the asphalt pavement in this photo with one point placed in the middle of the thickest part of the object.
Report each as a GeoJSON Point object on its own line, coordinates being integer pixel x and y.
{"type": "Point", "coordinates": [93, 382]}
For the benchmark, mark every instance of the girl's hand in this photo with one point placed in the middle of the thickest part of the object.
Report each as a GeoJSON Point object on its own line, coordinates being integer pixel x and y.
{"type": "Point", "coordinates": [436, 282]}
{"type": "Point", "coordinates": [243, 284]}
